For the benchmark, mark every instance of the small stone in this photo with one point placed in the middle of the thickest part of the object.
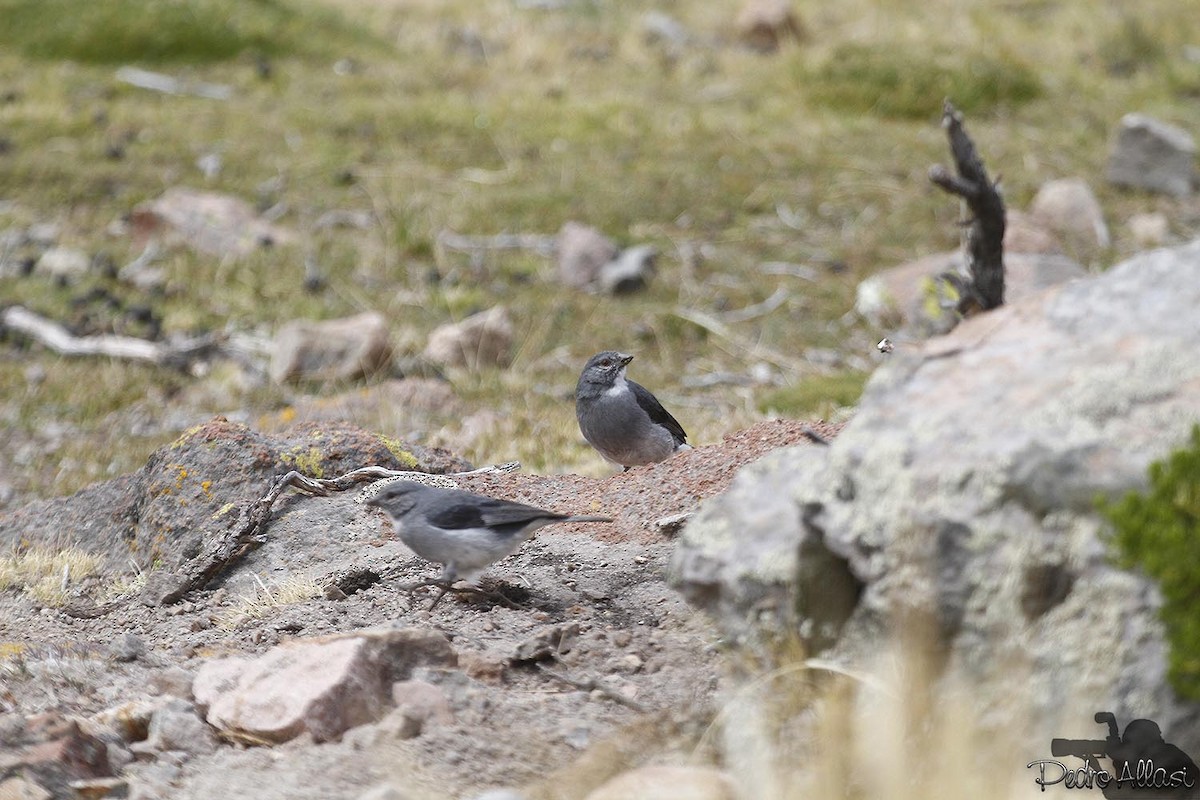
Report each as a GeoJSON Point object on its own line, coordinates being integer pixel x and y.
{"type": "Point", "coordinates": [582, 253]}
{"type": "Point", "coordinates": [481, 340]}
{"type": "Point", "coordinates": [483, 667]}
{"type": "Point", "coordinates": [63, 263]}
{"type": "Point", "coordinates": [660, 28]}
{"type": "Point", "coordinates": [672, 525]}
{"type": "Point", "coordinates": [763, 25]}
{"type": "Point", "coordinates": [628, 663]}
{"type": "Point", "coordinates": [344, 349]}
{"type": "Point", "coordinates": [98, 788]}
{"type": "Point", "coordinates": [128, 647]}
{"type": "Point", "coordinates": [622, 638]}
{"type": "Point", "coordinates": [130, 721]}
{"type": "Point", "coordinates": [1149, 230]}
{"type": "Point", "coordinates": [418, 703]}
{"type": "Point", "coordinates": [177, 726]}
{"type": "Point", "coordinates": [1153, 155]}
{"type": "Point", "coordinates": [1069, 208]}
{"type": "Point", "coordinates": [175, 681]}
{"type": "Point", "coordinates": [578, 737]}
{"type": "Point", "coordinates": [546, 643]}
{"type": "Point", "coordinates": [630, 271]}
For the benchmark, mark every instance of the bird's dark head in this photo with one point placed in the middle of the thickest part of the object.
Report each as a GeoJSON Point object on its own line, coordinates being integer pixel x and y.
{"type": "Point", "coordinates": [604, 369]}
{"type": "Point", "coordinates": [397, 498]}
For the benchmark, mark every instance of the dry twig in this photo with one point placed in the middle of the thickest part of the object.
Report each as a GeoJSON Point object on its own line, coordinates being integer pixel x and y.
{"type": "Point", "coordinates": [985, 229]}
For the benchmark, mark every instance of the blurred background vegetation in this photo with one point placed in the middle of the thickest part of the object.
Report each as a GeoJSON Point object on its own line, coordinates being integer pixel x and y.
{"type": "Point", "coordinates": [493, 116]}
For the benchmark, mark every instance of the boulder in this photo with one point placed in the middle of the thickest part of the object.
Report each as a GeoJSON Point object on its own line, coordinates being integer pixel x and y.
{"type": "Point", "coordinates": [961, 497]}
{"type": "Point", "coordinates": [193, 492]}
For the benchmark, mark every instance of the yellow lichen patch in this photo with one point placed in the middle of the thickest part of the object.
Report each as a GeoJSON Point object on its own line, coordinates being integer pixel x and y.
{"type": "Point", "coordinates": [396, 448]}
{"type": "Point", "coordinates": [305, 460]}
{"type": "Point", "coordinates": [185, 436]}
{"type": "Point", "coordinates": [206, 487]}
{"type": "Point", "coordinates": [11, 650]}
{"type": "Point", "coordinates": [223, 510]}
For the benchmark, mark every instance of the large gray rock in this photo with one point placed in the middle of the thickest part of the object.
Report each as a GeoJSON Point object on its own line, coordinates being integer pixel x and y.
{"type": "Point", "coordinates": [1150, 154]}
{"type": "Point", "coordinates": [196, 491]}
{"type": "Point", "coordinates": [961, 497]}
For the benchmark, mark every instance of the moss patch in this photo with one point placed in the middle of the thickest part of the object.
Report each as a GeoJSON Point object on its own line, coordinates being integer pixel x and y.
{"type": "Point", "coordinates": [1159, 533]}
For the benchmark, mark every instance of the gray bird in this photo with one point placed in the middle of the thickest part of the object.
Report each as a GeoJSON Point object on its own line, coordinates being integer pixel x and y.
{"type": "Point", "coordinates": [464, 532]}
{"type": "Point", "coordinates": [621, 418]}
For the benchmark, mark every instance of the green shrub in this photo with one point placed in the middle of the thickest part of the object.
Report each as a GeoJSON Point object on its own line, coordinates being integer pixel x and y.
{"type": "Point", "coordinates": [1159, 533]}
{"type": "Point", "coordinates": [902, 81]}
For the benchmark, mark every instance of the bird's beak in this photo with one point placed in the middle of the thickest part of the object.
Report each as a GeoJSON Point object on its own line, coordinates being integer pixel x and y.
{"type": "Point", "coordinates": [625, 359]}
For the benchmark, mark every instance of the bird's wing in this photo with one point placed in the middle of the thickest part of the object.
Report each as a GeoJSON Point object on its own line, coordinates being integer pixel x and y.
{"type": "Point", "coordinates": [658, 414]}
{"type": "Point", "coordinates": [492, 513]}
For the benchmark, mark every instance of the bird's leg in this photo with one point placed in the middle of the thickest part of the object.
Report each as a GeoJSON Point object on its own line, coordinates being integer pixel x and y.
{"type": "Point", "coordinates": [445, 588]}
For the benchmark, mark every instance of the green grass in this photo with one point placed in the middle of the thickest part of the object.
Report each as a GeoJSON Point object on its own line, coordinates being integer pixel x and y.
{"type": "Point", "coordinates": [817, 396]}
{"type": "Point", "coordinates": [167, 31]}
{"type": "Point", "coordinates": [814, 156]}
{"type": "Point", "coordinates": [908, 81]}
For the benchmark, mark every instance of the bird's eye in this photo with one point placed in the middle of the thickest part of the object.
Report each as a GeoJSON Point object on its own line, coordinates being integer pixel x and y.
{"type": "Point", "coordinates": [606, 362]}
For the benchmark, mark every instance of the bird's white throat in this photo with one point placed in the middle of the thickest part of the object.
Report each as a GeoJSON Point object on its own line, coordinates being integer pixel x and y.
{"type": "Point", "coordinates": [620, 386]}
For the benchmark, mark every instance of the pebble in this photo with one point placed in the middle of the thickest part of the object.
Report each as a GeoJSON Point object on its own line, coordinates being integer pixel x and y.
{"type": "Point", "coordinates": [622, 638]}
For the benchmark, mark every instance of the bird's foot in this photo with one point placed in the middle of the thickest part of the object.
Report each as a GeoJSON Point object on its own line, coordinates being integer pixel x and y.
{"type": "Point", "coordinates": [449, 588]}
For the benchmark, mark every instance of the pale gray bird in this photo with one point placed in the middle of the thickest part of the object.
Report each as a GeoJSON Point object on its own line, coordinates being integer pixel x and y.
{"type": "Point", "coordinates": [464, 532]}
{"type": "Point", "coordinates": [621, 418]}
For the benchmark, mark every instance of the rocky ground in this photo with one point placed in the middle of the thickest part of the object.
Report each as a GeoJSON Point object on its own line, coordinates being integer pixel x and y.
{"type": "Point", "coordinates": [602, 667]}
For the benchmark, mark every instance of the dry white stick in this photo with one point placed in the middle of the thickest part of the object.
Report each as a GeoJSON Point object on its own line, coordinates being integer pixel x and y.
{"type": "Point", "coordinates": [721, 330]}
{"type": "Point", "coordinates": [537, 242]}
{"type": "Point", "coordinates": [60, 340]}
{"type": "Point", "coordinates": [747, 313]}
{"type": "Point", "coordinates": [157, 82]}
